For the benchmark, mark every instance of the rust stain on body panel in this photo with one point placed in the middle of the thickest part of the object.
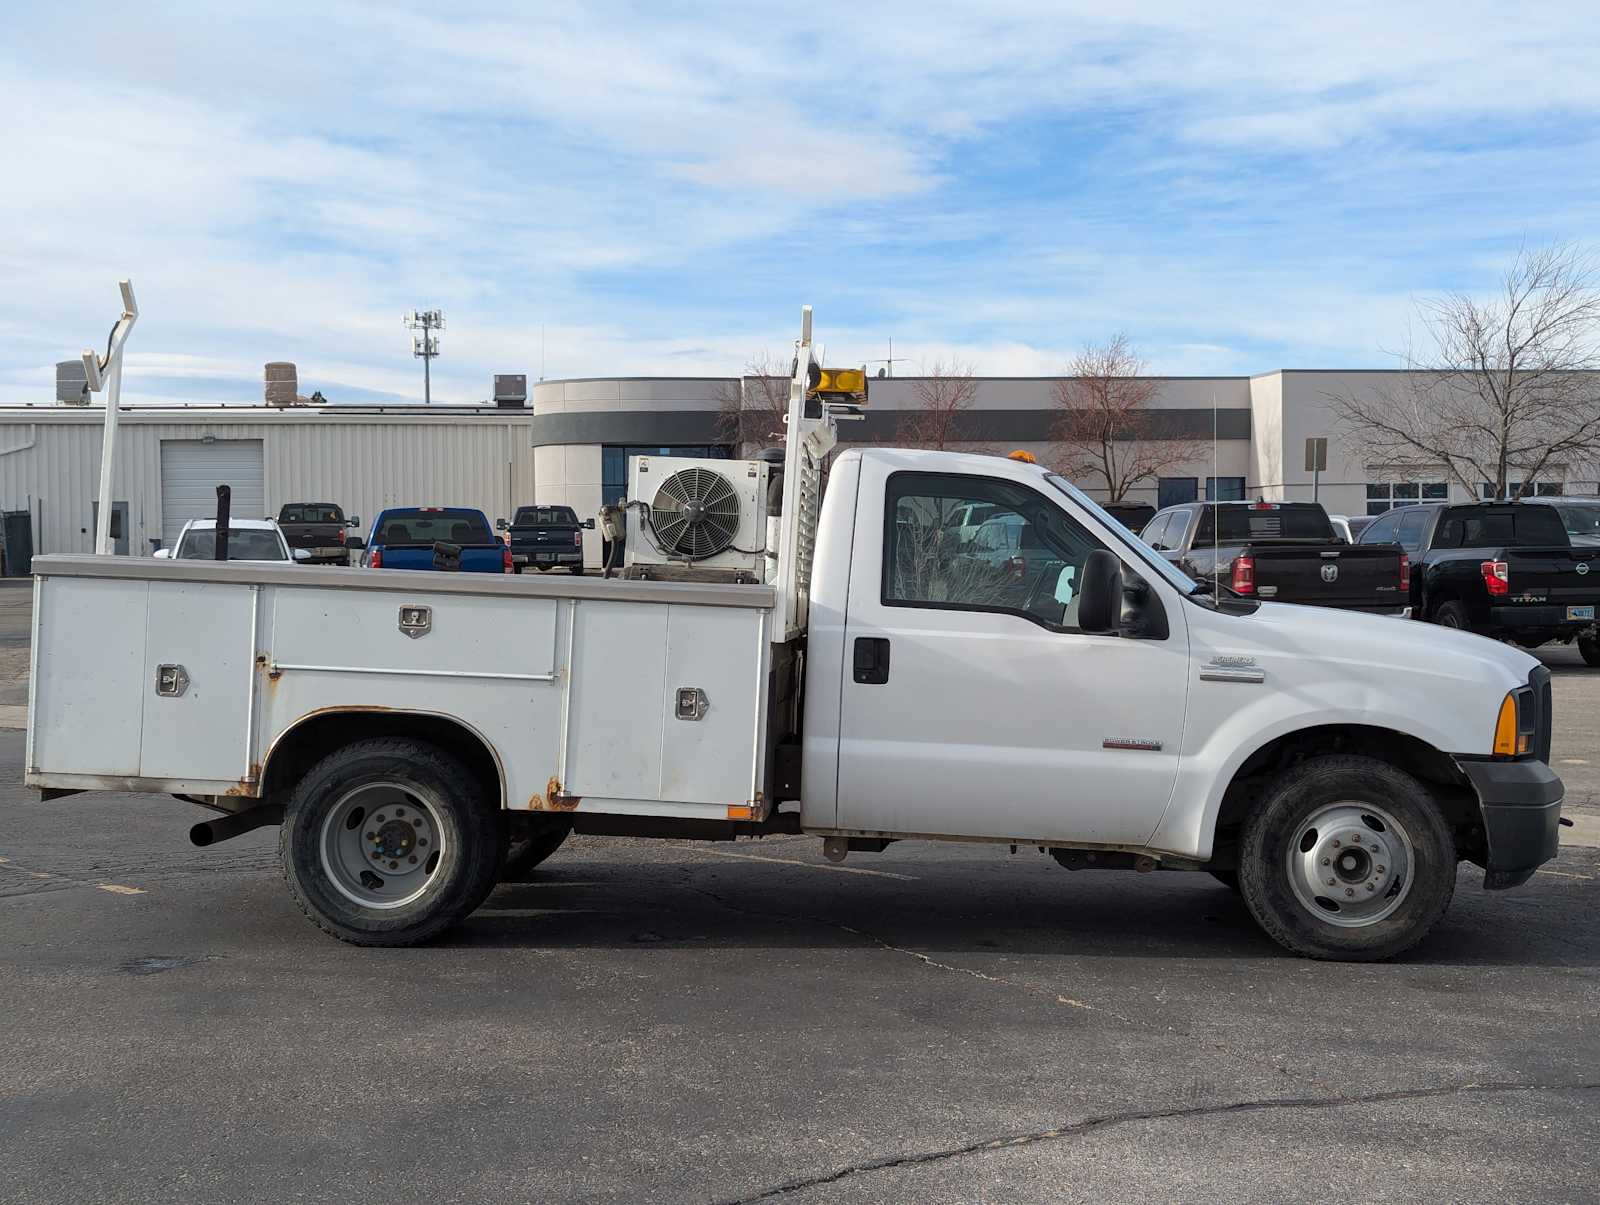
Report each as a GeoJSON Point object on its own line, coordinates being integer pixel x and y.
{"type": "Point", "coordinates": [553, 800]}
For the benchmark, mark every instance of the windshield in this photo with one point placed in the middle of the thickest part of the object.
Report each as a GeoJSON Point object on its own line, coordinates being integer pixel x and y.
{"type": "Point", "coordinates": [401, 527]}
{"type": "Point", "coordinates": [1138, 547]}
{"type": "Point", "coordinates": [1582, 520]}
{"type": "Point", "coordinates": [244, 544]}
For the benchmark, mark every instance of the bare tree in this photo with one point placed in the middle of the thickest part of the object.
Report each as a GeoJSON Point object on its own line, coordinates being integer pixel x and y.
{"type": "Point", "coordinates": [1106, 427]}
{"type": "Point", "coordinates": [752, 410]}
{"type": "Point", "coordinates": [1502, 388]}
{"type": "Point", "coordinates": [941, 395]}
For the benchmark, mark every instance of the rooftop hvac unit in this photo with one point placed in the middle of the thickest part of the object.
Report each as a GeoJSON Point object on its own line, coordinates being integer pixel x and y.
{"type": "Point", "coordinates": [72, 383]}
{"type": "Point", "coordinates": [709, 513]}
{"type": "Point", "coordinates": [510, 389]}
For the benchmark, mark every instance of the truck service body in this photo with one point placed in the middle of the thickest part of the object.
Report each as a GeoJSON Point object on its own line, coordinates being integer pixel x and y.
{"type": "Point", "coordinates": [404, 728]}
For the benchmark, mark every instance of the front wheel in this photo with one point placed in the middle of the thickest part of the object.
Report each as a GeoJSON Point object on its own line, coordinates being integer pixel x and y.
{"type": "Point", "coordinates": [389, 842]}
{"type": "Point", "coordinates": [1348, 858]}
{"type": "Point", "coordinates": [1589, 648]}
{"type": "Point", "coordinates": [1451, 615]}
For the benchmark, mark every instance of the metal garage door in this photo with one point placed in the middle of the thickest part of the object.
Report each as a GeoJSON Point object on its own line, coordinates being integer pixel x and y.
{"type": "Point", "coordinates": [191, 470]}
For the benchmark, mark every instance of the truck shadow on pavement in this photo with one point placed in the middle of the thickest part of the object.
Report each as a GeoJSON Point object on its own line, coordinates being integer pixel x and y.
{"type": "Point", "coordinates": [956, 908]}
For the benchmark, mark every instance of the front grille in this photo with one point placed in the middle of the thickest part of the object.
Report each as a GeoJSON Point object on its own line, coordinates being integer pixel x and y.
{"type": "Point", "coordinates": [1539, 683]}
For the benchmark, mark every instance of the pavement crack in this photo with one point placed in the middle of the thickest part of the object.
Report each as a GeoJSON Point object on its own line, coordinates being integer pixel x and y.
{"type": "Point", "coordinates": [1103, 1121]}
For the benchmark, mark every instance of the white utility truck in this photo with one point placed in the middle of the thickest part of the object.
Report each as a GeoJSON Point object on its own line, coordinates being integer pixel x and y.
{"type": "Point", "coordinates": [950, 647]}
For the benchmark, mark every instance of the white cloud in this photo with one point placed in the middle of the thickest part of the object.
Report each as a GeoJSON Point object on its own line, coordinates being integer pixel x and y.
{"type": "Point", "coordinates": [664, 185]}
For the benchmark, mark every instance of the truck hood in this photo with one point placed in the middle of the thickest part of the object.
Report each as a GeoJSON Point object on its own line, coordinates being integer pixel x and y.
{"type": "Point", "coordinates": [1397, 645]}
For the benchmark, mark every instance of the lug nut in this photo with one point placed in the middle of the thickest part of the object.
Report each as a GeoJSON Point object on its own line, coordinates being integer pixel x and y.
{"type": "Point", "coordinates": [1331, 882]}
{"type": "Point", "coordinates": [1370, 886]}
{"type": "Point", "coordinates": [1349, 891]}
{"type": "Point", "coordinates": [1380, 870]}
{"type": "Point", "coordinates": [1335, 840]}
{"type": "Point", "coordinates": [379, 819]}
{"type": "Point", "coordinates": [1325, 861]}
{"type": "Point", "coordinates": [399, 811]}
{"type": "Point", "coordinates": [413, 860]}
{"type": "Point", "coordinates": [394, 866]}
{"type": "Point", "coordinates": [424, 841]}
{"type": "Point", "coordinates": [1356, 839]}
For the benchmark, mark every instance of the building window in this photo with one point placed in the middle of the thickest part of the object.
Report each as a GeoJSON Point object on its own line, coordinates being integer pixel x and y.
{"type": "Point", "coordinates": [1541, 489]}
{"type": "Point", "coordinates": [1382, 495]}
{"type": "Point", "coordinates": [1174, 491]}
{"type": "Point", "coordinates": [614, 464]}
{"type": "Point", "coordinates": [1224, 489]}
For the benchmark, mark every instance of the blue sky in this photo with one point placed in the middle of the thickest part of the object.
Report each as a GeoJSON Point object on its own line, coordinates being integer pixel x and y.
{"type": "Point", "coordinates": [658, 188]}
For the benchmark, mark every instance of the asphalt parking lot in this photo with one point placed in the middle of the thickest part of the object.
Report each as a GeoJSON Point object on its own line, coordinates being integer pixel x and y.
{"type": "Point", "coordinates": [675, 1022]}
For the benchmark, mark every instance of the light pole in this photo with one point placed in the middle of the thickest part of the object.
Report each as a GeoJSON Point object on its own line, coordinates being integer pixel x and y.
{"type": "Point", "coordinates": [107, 374]}
{"type": "Point", "coordinates": [425, 345]}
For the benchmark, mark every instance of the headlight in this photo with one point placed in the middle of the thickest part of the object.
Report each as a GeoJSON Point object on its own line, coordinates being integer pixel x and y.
{"type": "Point", "coordinates": [1513, 728]}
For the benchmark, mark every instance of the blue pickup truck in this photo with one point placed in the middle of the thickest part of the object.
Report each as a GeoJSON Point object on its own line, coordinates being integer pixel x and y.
{"type": "Point", "coordinates": [406, 538]}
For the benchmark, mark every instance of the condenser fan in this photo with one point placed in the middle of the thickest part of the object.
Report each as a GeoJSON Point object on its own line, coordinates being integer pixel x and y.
{"type": "Point", "coordinates": [695, 514]}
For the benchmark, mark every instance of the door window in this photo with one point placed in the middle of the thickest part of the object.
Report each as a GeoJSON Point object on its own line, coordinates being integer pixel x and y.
{"type": "Point", "coordinates": [1025, 558]}
{"type": "Point", "coordinates": [1155, 531]}
{"type": "Point", "coordinates": [1381, 531]}
{"type": "Point", "coordinates": [1411, 524]}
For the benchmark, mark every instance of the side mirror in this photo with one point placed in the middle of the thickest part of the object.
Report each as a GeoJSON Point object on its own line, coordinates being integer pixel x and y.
{"type": "Point", "coordinates": [588, 525]}
{"type": "Point", "coordinates": [353, 521]}
{"type": "Point", "coordinates": [1100, 594]}
{"type": "Point", "coordinates": [300, 554]}
{"type": "Point", "coordinates": [500, 524]}
{"type": "Point", "coordinates": [162, 554]}
{"type": "Point", "coordinates": [355, 543]}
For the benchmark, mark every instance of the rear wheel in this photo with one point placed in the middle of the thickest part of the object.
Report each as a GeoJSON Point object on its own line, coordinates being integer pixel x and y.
{"type": "Point", "coordinates": [1349, 858]}
{"type": "Point", "coordinates": [1451, 615]}
{"type": "Point", "coordinates": [389, 842]}
{"type": "Point", "coordinates": [516, 569]}
{"type": "Point", "coordinates": [576, 570]}
{"type": "Point", "coordinates": [1589, 647]}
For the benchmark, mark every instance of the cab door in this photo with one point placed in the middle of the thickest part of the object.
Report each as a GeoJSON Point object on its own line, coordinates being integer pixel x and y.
{"type": "Point", "coordinates": [971, 703]}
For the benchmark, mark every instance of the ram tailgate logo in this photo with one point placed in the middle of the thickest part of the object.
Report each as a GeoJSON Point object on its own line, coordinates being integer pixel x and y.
{"type": "Point", "coordinates": [1330, 572]}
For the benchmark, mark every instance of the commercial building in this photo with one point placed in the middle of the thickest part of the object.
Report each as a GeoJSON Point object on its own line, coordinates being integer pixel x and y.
{"type": "Point", "coordinates": [571, 446]}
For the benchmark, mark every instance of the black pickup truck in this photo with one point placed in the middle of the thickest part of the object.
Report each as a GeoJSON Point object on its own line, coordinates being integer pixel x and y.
{"type": "Point", "coordinates": [320, 528]}
{"type": "Point", "coordinates": [1503, 569]}
{"type": "Point", "coordinates": [1280, 552]}
{"type": "Point", "coordinates": [546, 537]}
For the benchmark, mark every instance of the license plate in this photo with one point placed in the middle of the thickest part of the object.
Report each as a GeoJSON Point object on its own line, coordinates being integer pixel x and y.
{"type": "Point", "coordinates": [550, 556]}
{"type": "Point", "coordinates": [1580, 612]}
{"type": "Point", "coordinates": [329, 552]}
{"type": "Point", "coordinates": [520, 559]}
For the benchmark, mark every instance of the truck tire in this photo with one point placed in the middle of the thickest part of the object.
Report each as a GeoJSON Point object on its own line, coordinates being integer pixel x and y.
{"type": "Point", "coordinates": [389, 842]}
{"type": "Point", "coordinates": [1451, 615]}
{"type": "Point", "coordinates": [576, 570]}
{"type": "Point", "coordinates": [1347, 858]}
{"type": "Point", "coordinates": [526, 849]}
{"type": "Point", "coordinates": [1589, 648]}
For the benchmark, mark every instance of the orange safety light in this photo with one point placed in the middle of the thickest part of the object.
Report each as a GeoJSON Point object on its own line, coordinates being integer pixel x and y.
{"type": "Point", "coordinates": [1024, 456]}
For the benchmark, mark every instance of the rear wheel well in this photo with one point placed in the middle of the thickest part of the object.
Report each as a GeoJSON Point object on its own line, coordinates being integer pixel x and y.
{"type": "Point", "coordinates": [309, 741]}
{"type": "Point", "coordinates": [1436, 770]}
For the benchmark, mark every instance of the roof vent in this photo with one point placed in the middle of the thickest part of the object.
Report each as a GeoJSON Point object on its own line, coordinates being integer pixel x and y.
{"type": "Point", "coordinates": [72, 383]}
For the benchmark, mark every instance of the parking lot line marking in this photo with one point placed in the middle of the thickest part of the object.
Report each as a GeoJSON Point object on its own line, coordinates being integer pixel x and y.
{"type": "Point", "coordinates": [723, 853]}
{"type": "Point", "coordinates": [1565, 874]}
{"type": "Point", "coordinates": [119, 889]}
{"type": "Point", "coordinates": [1574, 761]}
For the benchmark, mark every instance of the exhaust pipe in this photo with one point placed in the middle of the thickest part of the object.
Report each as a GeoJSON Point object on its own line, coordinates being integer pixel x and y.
{"type": "Point", "coordinates": [209, 832]}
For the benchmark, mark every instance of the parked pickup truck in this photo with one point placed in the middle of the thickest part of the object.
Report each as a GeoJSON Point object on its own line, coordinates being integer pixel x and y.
{"type": "Point", "coordinates": [546, 537]}
{"type": "Point", "coordinates": [1283, 551]}
{"type": "Point", "coordinates": [320, 528]}
{"type": "Point", "coordinates": [1502, 569]}
{"type": "Point", "coordinates": [406, 730]}
{"type": "Point", "coordinates": [420, 537]}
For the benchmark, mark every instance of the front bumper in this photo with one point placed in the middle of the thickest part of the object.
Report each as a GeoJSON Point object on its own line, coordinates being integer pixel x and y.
{"type": "Point", "coordinates": [1521, 806]}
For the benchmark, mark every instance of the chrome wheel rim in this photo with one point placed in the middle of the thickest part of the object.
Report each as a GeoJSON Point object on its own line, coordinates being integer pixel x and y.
{"type": "Point", "coordinates": [382, 845]}
{"type": "Point", "coordinates": [1350, 864]}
